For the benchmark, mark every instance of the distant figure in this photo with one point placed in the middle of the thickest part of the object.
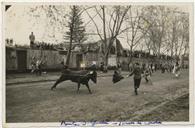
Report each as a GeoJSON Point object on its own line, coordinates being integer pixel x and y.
{"type": "Point", "coordinates": [147, 75]}
{"type": "Point", "coordinates": [143, 66]}
{"type": "Point", "coordinates": [156, 67]}
{"type": "Point", "coordinates": [62, 65]}
{"type": "Point", "coordinates": [102, 66]}
{"type": "Point", "coordinates": [32, 39]}
{"type": "Point", "coordinates": [137, 77]}
{"type": "Point", "coordinates": [119, 67]}
{"type": "Point", "coordinates": [93, 66]}
{"type": "Point", "coordinates": [163, 68]}
{"type": "Point", "coordinates": [38, 67]}
{"type": "Point", "coordinates": [171, 68]}
{"type": "Point", "coordinates": [33, 65]}
{"type": "Point", "coordinates": [130, 67]}
{"type": "Point", "coordinates": [153, 68]}
{"type": "Point", "coordinates": [176, 70]}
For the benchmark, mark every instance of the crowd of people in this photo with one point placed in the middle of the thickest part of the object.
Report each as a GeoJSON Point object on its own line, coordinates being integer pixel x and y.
{"type": "Point", "coordinates": [139, 71]}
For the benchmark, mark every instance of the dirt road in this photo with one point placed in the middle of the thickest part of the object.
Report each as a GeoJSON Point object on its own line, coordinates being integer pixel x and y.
{"type": "Point", "coordinates": [35, 102]}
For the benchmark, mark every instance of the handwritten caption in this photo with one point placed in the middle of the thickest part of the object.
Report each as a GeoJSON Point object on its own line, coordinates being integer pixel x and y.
{"type": "Point", "coordinates": [104, 123]}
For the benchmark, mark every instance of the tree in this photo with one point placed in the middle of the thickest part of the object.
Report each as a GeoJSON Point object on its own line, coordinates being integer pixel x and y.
{"type": "Point", "coordinates": [167, 30]}
{"type": "Point", "coordinates": [111, 26]}
{"type": "Point", "coordinates": [134, 34]}
{"type": "Point", "coordinates": [76, 33]}
{"type": "Point", "coordinates": [184, 37]}
{"type": "Point", "coordinates": [178, 33]}
{"type": "Point", "coordinates": [155, 23]}
{"type": "Point", "coordinates": [184, 34]}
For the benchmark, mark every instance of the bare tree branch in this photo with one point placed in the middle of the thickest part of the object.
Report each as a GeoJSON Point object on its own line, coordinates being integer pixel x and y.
{"type": "Point", "coordinates": [96, 26]}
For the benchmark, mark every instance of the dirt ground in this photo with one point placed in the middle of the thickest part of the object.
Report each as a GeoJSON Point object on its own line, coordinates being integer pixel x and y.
{"type": "Point", "coordinates": [177, 110]}
{"type": "Point", "coordinates": [162, 101]}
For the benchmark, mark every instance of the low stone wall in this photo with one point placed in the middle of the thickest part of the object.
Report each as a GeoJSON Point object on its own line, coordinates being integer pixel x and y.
{"type": "Point", "coordinates": [51, 59]}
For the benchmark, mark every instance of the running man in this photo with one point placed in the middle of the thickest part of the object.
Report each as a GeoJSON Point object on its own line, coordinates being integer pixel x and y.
{"type": "Point", "coordinates": [137, 76]}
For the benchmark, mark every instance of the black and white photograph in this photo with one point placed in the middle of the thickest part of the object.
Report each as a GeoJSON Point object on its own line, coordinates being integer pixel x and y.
{"type": "Point", "coordinates": [97, 62]}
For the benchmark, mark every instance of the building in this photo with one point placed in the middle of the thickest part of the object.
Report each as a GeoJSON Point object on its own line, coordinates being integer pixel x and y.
{"type": "Point", "coordinates": [20, 59]}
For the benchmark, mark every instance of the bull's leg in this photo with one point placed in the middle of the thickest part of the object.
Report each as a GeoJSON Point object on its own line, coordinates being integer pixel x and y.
{"type": "Point", "coordinates": [87, 85]}
{"type": "Point", "coordinates": [61, 79]}
{"type": "Point", "coordinates": [78, 87]}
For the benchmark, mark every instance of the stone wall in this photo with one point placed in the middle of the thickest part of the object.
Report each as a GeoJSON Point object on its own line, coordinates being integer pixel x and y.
{"type": "Point", "coordinates": [11, 59]}
{"type": "Point", "coordinates": [52, 59]}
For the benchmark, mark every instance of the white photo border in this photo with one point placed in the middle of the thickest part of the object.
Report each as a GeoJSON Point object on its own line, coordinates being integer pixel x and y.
{"type": "Point", "coordinates": [85, 2]}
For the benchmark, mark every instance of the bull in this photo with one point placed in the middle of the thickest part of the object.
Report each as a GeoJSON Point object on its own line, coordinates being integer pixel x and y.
{"type": "Point", "coordinates": [80, 77]}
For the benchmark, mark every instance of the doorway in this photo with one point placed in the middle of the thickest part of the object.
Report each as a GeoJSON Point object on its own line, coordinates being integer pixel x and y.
{"type": "Point", "coordinates": [22, 60]}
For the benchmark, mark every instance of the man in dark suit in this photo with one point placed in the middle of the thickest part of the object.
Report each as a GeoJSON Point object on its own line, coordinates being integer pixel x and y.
{"type": "Point", "coordinates": [137, 71]}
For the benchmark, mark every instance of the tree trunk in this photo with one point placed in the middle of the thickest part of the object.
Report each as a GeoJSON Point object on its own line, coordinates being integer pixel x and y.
{"type": "Point", "coordinates": [106, 62]}
{"type": "Point", "coordinates": [68, 55]}
{"type": "Point", "coordinates": [70, 47]}
{"type": "Point", "coordinates": [130, 57]}
{"type": "Point", "coordinates": [106, 56]}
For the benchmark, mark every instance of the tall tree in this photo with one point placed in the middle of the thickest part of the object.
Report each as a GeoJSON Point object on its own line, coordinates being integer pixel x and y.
{"type": "Point", "coordinates": [155, 23]}
{"type": "Point", "coordinates": [177, 33]}
{"type": "Point", "coordinates": [134, 32]}
{"type": "Point", "coordinates": [76, 33]}
{"type": "Point", "coordinates": [111, 26]}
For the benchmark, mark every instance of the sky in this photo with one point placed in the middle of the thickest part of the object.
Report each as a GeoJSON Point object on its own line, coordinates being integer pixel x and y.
{"type": "Point", "coordinates": [20, 21]}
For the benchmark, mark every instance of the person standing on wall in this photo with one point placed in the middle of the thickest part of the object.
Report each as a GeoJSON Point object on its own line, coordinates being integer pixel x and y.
{"type": "Point", "coordinates": [32, 39]}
